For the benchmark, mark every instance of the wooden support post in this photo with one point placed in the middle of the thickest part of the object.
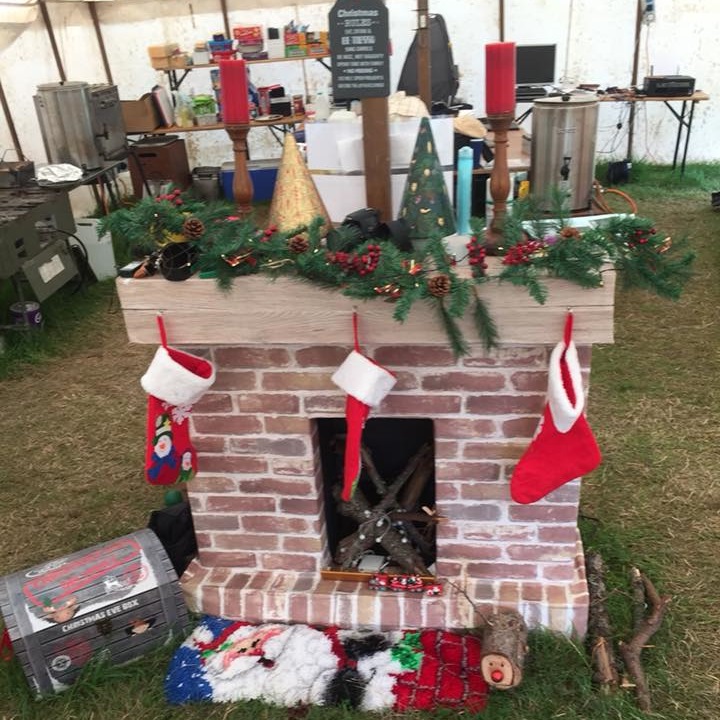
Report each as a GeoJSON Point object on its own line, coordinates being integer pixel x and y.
{"type": "Point", "coordinates": [51, 36]}
{"type": "Point", "coordinates": [424, 60]}
{"type": "Point", "coordinates": [499, 177]}
{"type": "Point", "coordinates": [101, 43]}
{"type": "Point", "coordinates": [226, 21]}
{"type": "Point", "coordinates": [634, 78]}
{"type": "Point", "coordinates": [376, 148]}
{"type": "Point", "coordinates": [11, 124]}
{"type": "Point", "coordinates": [242, 183]}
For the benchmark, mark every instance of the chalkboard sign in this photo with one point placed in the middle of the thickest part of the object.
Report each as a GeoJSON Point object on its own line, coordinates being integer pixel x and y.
{"type": "Point", "coordinates": [359, 41]}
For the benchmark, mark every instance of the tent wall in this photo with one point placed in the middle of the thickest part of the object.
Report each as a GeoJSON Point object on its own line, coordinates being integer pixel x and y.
{"type": "Point", "coordinates": [594, 45]}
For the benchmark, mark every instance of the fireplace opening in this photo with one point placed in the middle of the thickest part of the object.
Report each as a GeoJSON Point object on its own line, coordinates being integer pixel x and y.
{"type": "Point", "coordinates": [389, 523]}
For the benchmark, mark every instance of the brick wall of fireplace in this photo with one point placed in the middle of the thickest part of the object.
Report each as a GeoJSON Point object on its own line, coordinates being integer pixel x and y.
{"type": "Point", "coordinates": [258, 503]}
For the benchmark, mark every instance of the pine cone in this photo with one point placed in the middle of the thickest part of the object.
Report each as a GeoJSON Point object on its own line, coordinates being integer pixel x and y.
{"type": "Point", "coordinates": [298, 244]}
{"type": "Point", "coordinates": [193, 228]}
{"type": "Point", "coordinates": [439, 285]}
{"type": "Point", "coordinates": [570, 232]}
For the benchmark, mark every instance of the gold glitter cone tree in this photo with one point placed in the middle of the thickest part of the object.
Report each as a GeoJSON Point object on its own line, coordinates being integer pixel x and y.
{"type": "Point", "coordinates": [426, 206]}
{"type": "Point", "coordinates": [295, 200]}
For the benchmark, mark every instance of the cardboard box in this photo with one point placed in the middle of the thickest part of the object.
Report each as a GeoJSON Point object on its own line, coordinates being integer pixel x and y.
{"type": "Point", "coordinates": [140, 115]}
{"type": "Point", "coordinates": [249, 35]}
{"type": "Point", "coordinates": [171, 62]}
{"type": "Point", "coordinates": [295, 38]}
{"type": "Point", "coordinates": [160, 51]}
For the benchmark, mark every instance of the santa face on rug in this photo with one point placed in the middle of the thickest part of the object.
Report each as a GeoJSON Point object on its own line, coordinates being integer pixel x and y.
{"type": "Point", "coordinates": [290, 665]}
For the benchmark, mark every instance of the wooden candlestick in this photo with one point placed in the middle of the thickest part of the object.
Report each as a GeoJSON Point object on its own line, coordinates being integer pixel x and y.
{"type": "Point", "coordinates": [499, 177]}
{"type": "Point", "coordinates": [242, 183]}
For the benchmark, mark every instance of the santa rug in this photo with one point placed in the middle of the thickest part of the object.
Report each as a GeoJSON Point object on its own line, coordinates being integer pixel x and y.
{"type": "Point", "coordinates": [288, 665]}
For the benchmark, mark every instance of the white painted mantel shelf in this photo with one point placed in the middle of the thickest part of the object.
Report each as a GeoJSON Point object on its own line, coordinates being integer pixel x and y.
{"type": "Point", "coordinates": [258, 310]}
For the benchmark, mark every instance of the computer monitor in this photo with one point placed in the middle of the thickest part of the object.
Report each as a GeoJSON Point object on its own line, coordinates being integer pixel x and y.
{"type": "Point", "coordinates": [534, 65]}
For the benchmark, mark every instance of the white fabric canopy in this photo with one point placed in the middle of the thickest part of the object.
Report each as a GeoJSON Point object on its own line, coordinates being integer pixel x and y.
{"type": "Point", "coordinates": [15, 16]}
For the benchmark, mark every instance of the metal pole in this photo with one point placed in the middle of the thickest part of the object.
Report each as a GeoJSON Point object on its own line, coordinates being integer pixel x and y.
{"type": "Point", "coordinates": [51, 35]}
{"type": "Point", "coordinates": [98, 34]}
{"type": "Point", "coordinates": [501, 19]}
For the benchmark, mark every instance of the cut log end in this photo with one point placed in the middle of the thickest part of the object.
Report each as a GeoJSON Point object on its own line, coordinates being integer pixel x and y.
{"type": "Point", "coordinates": [504, 646]}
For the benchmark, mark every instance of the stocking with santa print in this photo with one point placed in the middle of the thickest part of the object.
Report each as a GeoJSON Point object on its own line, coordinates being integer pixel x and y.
{"type": "Point", "coordinates": [174, 382]}
{"type": "Point", "coordinates": [564, 447]}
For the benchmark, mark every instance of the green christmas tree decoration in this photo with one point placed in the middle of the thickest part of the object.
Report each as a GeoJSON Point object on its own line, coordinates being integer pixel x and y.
{"type": "Point", "coordinates": [426, 206]}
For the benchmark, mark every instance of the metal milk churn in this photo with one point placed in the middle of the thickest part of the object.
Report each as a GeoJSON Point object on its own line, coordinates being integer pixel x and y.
{"type": "Point", "coordinates": [563, 149]}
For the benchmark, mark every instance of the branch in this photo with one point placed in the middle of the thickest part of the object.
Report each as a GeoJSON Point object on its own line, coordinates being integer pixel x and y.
{"type": "Point", "coordinates": [643, 632]}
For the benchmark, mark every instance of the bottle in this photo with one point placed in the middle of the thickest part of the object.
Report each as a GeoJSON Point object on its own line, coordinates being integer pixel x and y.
{"type": "Point", "coordinates": [321, 105]}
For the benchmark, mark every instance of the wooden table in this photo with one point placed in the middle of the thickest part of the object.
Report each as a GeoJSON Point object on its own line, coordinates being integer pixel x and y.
{"type": "Point", "coordinates": [684, 116]}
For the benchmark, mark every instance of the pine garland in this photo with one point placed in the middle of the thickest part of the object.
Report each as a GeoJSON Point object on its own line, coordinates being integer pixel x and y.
{"type": "Point", "coordinates": [230, 247]}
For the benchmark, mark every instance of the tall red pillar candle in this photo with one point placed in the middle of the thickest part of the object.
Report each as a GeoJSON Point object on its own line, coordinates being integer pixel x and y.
{"type": "Point", "coordinates": [499, 78]}
{"type": "Point", "coordinates": [234, 102]}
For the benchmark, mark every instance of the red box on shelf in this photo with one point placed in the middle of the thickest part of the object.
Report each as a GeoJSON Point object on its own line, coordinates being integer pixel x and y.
{"type": "Point", "coordinates": [248, 35]}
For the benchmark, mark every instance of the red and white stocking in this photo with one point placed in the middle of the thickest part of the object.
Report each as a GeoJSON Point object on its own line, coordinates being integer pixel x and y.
{"type": "Point", "coordinates": [564, 447]}
{"type": "Point", "coordinates": [366, 384]}
{"type": "Point", "coordinates": [174, 382]}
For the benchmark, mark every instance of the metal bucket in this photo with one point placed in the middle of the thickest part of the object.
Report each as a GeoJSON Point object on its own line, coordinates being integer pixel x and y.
{"type": "Point", "coordinates": [563, 150]}
{"type": "Point", "coordinates": [26, 313]}
{"type": "Point", "coordinates": [64, 113]}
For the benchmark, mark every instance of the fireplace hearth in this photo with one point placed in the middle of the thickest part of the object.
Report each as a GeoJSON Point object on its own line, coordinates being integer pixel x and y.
{"type": "Point", "coordinates": [260, 503]}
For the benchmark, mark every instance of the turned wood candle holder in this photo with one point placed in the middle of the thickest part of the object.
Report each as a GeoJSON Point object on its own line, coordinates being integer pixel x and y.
{"type": "Point", "coordinates": [242, 183]}
{"type": "Point", "coordinates": [499, 178]}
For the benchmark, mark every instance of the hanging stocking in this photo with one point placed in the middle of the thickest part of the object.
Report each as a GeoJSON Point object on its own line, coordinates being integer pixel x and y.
{"type": "Point", "coordinates": [174, 381]}
{"type": "Point", "coordinates": [564, 447]}
{"type": "Point", "coordinates": [366, 384]}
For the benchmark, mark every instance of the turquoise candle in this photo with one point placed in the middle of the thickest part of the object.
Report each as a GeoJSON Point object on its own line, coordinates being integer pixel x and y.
{"type": "Point", "coordinates": [463, 192]}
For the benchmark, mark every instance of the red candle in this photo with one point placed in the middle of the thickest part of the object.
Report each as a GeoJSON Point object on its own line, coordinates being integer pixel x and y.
{"type": "Point", "coordinates": [499, 78]}
{"type": "Point", "coordinates": [234, 92]}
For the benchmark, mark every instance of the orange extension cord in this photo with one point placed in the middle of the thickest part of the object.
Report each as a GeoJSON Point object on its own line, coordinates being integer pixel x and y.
{"type": "Point", "coordinates": [600, 203]}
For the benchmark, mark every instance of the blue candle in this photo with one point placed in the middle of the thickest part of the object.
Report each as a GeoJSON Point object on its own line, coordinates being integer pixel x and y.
{"type": "Point", "coordinates": [463, 193]}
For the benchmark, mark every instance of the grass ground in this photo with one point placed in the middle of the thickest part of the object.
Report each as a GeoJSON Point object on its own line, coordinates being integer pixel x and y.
{"type": "Point", "coordinates": [72, 416]}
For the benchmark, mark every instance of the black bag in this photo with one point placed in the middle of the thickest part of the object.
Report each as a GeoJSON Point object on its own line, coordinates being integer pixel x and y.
{"type": "Point", "coordinates": [174, 527]}
{"type": "Point", "coordinates": [444, 76]}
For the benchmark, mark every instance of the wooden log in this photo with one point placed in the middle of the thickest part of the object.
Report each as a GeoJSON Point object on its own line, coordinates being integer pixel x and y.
{"type": "Point", "coordinates": [599, 635]}
{"type": "Point", "coordinates": [504, 646]}
{"type": "Point", "coordinates": [410, 496]}
{"type": "Point", "coordinates": [647, 628]}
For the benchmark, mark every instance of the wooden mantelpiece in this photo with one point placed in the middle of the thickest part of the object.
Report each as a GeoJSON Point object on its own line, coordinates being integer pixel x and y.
{"type": "Point", "coordinates": [259, 311]}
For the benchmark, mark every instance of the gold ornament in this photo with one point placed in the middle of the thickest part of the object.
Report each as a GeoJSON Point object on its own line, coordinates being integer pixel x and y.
{"type": "Point", "coordinates": [391, 290]}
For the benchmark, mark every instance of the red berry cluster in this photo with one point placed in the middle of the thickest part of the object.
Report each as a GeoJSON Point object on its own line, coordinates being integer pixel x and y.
{"type": "Point", "coordinates": [268, 233]}
{"type": "Point", "coordinates": [172, 197]}
{"type": "Point", "coordinates": [521, 253]}
{"type": "Point", "coordinates": [476, 256]}
{"type": "Point", "coordinates": [641, 237]}
{"type": "Point", "coordinates": [352, 262]}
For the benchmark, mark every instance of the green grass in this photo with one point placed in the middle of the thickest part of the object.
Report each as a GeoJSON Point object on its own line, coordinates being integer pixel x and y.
{"type": "Point", "coordinates": [71, 476]}
{"type": "Point", "coordinates": [64, 314]}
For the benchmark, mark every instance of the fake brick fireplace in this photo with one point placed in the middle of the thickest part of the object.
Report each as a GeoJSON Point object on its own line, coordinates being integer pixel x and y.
{"type": "Point", "coordinates": [257, 501]}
